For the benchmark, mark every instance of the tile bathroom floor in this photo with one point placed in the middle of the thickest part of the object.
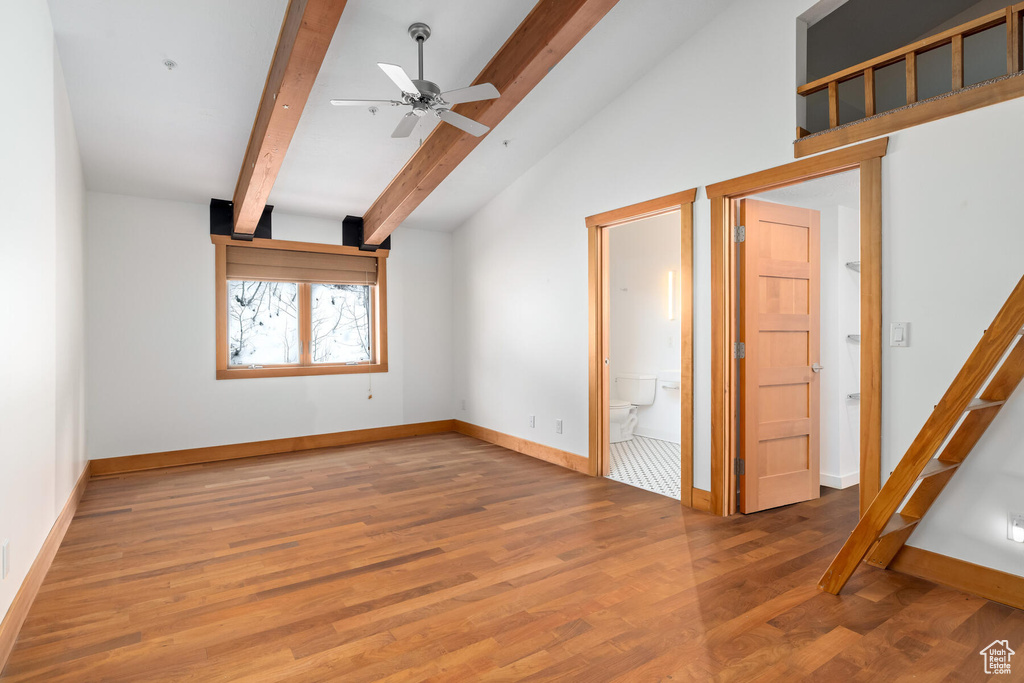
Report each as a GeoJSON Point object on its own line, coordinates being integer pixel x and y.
{"type": "Point", "coordinates": [649, 464]}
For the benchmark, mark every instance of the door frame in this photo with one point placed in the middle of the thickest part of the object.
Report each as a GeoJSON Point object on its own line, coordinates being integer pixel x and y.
{"type": "Point", "coordinates": [867, 158]}
{"type": "Point", "coordinates": [599, 453]}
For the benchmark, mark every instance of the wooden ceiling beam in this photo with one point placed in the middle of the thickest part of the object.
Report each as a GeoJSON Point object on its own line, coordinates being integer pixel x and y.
{"type": "Point", "coordinates": [306, 34]}
{"type": "Point", "coordinates": [546, 35]}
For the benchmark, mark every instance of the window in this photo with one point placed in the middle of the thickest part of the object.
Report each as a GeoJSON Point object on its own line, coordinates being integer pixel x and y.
{"type": "Point", "coordinates": [292, 308]}
{"type": "Point", "coordinates": [341, 323]}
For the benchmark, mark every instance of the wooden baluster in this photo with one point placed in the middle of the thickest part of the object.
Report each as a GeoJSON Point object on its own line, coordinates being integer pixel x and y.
{"type": "Point", "coordinates": [833, 104]}
{"type": "Point", "coordinates": [1013, 41]}
{"type": "Point", "coordinates": [869, 91]}
{"type": "Point", "coordinates": [911, 60]}
{"type": "Point", "coordinates": [958, 62]}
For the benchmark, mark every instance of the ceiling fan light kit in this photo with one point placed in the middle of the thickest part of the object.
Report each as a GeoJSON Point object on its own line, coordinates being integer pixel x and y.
{"type": "Point", "coordinates": [425, 97]}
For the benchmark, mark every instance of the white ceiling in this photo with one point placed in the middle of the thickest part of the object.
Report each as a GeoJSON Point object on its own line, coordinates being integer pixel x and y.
{"type": "Point", "coordinates": [181, 134]}
{"type": "Point", "coordinates": [147, 131]}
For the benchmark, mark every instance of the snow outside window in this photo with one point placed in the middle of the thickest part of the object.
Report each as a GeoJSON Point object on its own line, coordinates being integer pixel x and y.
{"type": "Point", "coordinates": [340, 323]}
{"type": "Point", "coordinates": [263, 323]}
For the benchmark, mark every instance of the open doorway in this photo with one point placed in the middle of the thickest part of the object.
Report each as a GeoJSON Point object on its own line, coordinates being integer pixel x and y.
{"type": "Point", "coordinates": [726, 465]}
{"type": "Point", "coordinates": [644, 353]}
{"type": "Point", "coordinates": [798, 312]}
{"type": "Point", "coordinates": [641, 395]}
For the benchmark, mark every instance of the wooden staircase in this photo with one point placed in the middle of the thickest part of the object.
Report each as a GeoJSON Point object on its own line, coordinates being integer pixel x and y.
{"type": "Point", "coordinates": [969, 402]}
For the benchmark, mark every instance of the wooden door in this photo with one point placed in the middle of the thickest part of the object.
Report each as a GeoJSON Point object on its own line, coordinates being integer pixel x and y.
{"type": "Point", "coordinates": [779, 321]}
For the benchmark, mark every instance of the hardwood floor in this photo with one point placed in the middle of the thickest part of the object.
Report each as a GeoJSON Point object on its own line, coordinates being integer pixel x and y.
{"type": "Point", "coordinates": [446, 558]}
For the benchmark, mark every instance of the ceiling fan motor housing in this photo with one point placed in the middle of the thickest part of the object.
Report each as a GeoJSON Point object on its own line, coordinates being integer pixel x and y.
{"type": "Point", "coordinates": [427, 89]}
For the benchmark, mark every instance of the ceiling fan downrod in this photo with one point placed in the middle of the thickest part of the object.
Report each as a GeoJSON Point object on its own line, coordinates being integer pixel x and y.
{"type": "Point", "coordinates": [420, 32]}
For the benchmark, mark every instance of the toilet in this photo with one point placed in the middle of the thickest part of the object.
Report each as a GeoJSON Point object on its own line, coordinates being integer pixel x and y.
{"type": "Point", "coordinates": [630, 391]}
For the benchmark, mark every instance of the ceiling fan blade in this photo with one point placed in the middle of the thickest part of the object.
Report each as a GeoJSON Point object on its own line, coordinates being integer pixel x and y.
{"type": "Point", "coordinates": [406, 126]}
{"type": "Point", "coordinates": [463, 123]}
{"type": "Point", "coordinates": [474, 93]}
{"type": "Point", "coordinates": [401, 79]}
{"type": "Point", "coordinates": [363, 103]}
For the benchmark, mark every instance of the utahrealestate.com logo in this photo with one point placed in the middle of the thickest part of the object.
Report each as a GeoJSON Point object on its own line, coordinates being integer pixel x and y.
{"type": "Point", "coordinates": [997, 657]}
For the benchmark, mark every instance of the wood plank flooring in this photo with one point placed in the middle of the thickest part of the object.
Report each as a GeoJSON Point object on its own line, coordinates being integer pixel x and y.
{"type": "Point", "coordinates": [446, 558]}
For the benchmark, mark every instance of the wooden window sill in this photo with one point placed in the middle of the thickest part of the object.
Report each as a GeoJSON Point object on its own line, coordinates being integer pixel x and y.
{"type": "Point", "coordinates": [301, 371]}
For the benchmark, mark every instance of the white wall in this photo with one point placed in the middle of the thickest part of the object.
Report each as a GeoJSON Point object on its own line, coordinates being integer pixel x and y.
{"type": "Point", "coordinates": [952, 253]}
{"type": "Point", "coordinates": [41, 344]}
{"type": "Point", "coordinates": [840, 306]}
{"type": "Point", "coordinates": [150, 329]}
{"type": "Point", "coordinates": [848, 356]}
{"type": "Point", "coordinates": [643, 340]}
{"type": "Point", "coordinates": [70, 296]}
{"type": "Point", "coordinates": [522, 348]}
{"type": "Point", "coordinates": [952, 250]}
{"type": "Point", "coordinates": [831, 338]}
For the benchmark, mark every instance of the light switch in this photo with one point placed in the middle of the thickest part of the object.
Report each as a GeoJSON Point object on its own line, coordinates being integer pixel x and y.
{"type": "Point", "coordinates": [899, 334]}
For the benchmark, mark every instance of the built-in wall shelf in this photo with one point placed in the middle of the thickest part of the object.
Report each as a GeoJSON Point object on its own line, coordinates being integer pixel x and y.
{"type": "Point", "coordinates": [853, 265]}
{"type": "Point", "coordinates": [855, 338]}
{"type": "Point", "coordinates": [853, 397]}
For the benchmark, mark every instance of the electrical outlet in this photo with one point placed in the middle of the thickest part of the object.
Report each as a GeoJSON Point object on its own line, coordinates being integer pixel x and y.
{"type": "Point", "coordinates": [1015, 526]}
{"type": "Point", "coordinates": [558, 426]}
{"type": "Point", "coordinates": [533, 420]}
{"type": "Point", "coordinates": [5, 558]}
{"type": "Point", "coordinates": [463, 404]}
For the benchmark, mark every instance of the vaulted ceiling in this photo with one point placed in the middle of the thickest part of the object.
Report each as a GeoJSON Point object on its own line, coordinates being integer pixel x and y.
{"type": "Point", "coordinates": [180, 134]}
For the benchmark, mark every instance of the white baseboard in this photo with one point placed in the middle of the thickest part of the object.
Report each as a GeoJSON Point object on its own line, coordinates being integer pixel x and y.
{"type": "Point", "coordinates": [840, 482]}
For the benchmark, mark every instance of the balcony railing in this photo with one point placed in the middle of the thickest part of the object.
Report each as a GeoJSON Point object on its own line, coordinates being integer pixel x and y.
{"type": "Point", "coordinates": [1010, 17]}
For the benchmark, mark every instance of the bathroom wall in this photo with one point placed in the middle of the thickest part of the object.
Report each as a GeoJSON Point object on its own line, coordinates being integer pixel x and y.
{"type": "Point", "coordinates": [643, 339]}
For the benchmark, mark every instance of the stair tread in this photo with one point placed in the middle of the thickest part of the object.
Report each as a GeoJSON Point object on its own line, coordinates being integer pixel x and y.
{"type": "Point", "coordinates": [991, 373]}
{"type": "Point", "coordinates": [979, 404]}
{"type": "Point", "coordinates": [898, 522]}
{"type": "Point", "coordinates": [936, 466]}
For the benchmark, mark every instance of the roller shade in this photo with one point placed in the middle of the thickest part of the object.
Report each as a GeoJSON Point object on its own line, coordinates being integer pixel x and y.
{"type": "Point", "coordinates": [280, 265]}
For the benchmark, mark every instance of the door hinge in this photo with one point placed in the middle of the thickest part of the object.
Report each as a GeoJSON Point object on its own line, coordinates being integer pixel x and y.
{"type": "Point", "coordinates": [739, 350]}
{"type": "Point", "coordinates": [739, 233]}
{"type": "Point", "coordinates": [741, 467]}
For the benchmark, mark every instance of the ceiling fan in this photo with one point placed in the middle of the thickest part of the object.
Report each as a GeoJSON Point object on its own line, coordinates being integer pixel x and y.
{"type": "Point", "coordinates": [425, 97]}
